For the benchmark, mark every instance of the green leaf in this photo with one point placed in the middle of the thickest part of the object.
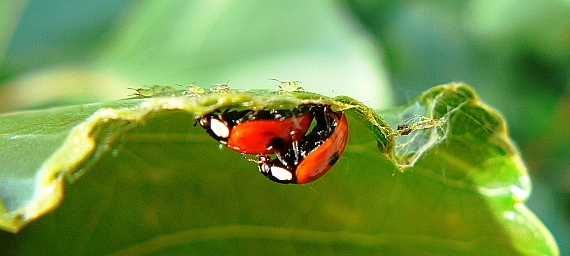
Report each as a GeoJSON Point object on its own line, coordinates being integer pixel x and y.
{"type": "Point", "coordinates": [447, 180]}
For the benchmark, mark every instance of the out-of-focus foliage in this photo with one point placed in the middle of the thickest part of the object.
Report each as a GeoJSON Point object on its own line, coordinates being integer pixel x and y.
{"type": "Point", "coordinates": [96, 52]}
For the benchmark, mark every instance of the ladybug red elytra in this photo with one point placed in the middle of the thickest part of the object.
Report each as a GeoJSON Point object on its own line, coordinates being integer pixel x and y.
{"type": "Point", "coordinates": [258, 132]}
{"type": "Point", "coordinates": [313, 155]}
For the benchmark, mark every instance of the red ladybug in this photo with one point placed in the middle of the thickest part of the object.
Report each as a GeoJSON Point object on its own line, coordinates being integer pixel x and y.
{"type": "Point", "coordinates": [313, 155]}
{"type": "Point", "coordinates": [258, 132]}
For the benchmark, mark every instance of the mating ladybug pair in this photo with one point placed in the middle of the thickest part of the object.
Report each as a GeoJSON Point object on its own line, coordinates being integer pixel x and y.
{"type": "Point", "coordinates": [300, 155]}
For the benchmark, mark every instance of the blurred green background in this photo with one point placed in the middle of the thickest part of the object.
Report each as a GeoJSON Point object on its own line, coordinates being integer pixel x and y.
{"type": "Point", "coordinates": [516, 54]}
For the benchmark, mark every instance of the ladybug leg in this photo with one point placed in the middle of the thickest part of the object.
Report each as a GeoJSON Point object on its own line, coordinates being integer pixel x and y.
{"type": "Point", "coordinates": [327, 123]}
{"type": "Point", "coordinates": [282, 159]}
{"type": "Point", "coordinates": [296, 152]}
{"type": "Point", "coordinates": [330, 124]}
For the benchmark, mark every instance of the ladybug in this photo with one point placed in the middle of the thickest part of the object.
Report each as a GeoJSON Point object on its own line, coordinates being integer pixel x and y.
{"type": "Point", "coordinates": [313, 155]}
{"type": "Point", "coordinates": [258, 132]}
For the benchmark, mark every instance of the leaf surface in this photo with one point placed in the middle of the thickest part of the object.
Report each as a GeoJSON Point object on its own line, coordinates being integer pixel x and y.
{"type": "Point", "coordinates": [438, 175]}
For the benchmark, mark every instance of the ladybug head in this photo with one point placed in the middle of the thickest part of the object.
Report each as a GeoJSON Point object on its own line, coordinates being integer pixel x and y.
{"type": "Point", "coordinates": [274, 170]}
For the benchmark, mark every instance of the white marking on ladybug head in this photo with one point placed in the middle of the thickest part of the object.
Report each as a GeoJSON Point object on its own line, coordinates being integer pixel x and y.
{"type": "Point", "coordinates": [219, 128]}
{"type": "Point", "coordinates": [281, 173]}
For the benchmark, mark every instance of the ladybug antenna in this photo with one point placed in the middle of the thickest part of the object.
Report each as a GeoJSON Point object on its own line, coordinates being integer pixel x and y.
{"type": "Point", "coordinates": [250, 159]}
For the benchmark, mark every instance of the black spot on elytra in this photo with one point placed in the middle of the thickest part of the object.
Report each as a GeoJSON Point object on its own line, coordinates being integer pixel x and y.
{"type": "Point", "coordinates": [276, 144]}
{"type": "Point", "coordinates": [333, 159]}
